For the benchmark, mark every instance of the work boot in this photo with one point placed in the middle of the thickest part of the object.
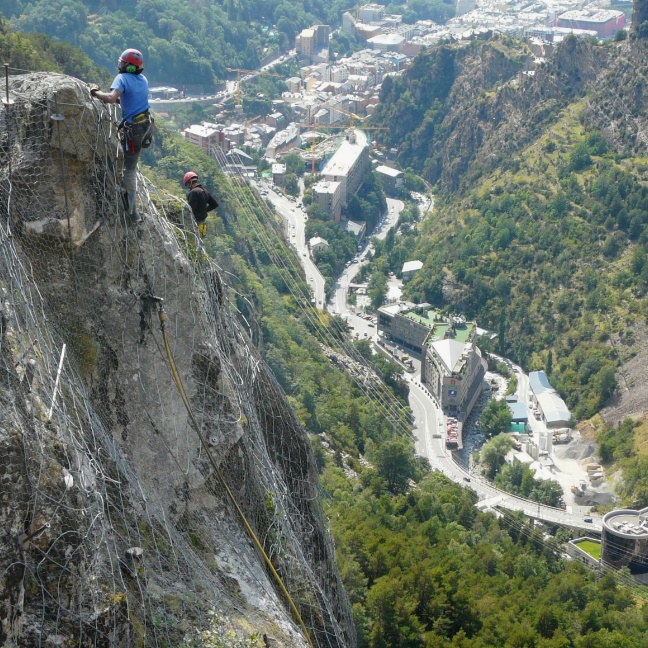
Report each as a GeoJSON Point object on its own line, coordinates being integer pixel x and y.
{"type": "Point", "coordinates": [135, 217]}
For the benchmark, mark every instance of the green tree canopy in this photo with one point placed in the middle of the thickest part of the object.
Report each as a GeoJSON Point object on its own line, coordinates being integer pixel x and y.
{"type": "Point", "coordinates": [496, 418]}
{"type": "Point", "coordinates": [493, 452]}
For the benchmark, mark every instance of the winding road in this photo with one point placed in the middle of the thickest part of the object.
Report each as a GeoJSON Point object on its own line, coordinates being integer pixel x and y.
{"type": "Point", "coordinates": [428, 416]}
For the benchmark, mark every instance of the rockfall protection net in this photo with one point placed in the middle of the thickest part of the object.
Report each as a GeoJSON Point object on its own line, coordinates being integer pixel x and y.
{"type": "Point", "coordinates": [116, 530]}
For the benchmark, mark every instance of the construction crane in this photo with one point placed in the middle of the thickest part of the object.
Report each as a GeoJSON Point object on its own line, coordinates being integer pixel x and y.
{"type": "Point", "coordinates": [351, 116]}
{"type": "Point", "coordinates": [356, 8]}
{"type": "Point", "coordinates": [238, 71]}
{"type": "Point", "coordinates": [332, 127]}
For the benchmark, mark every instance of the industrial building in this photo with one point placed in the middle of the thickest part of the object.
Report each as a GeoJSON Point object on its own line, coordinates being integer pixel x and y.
{"type": "Point", "coordinates": [550, 405]}
{"type": "Point", "coordinates": [624, 539]}
{"type": "Point", "coordinates": [349, 164]}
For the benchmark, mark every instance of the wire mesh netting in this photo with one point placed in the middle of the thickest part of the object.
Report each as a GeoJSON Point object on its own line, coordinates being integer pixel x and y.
{"type": "Point", "coordinates": [117, 530]}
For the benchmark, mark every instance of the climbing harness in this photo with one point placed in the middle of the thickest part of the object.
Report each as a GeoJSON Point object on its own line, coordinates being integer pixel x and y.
{"type": "Point", "coordinates": [194, 422]}
{"type": "Point", "coordinates": [137, 133]}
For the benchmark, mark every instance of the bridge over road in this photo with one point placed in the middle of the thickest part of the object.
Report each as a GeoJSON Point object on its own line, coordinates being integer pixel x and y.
{"type": "Point", "coordinates": [430, 443]}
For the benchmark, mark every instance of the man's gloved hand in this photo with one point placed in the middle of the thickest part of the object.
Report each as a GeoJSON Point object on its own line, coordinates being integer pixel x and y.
{"type": "Point", "coordinates": [93, 88]}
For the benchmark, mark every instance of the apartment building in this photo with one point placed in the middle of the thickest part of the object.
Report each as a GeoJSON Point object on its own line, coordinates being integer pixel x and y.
{"type": "Point", "coordinates": [327, 196]}
{"type": "Point", "coordinates": [349, 164]}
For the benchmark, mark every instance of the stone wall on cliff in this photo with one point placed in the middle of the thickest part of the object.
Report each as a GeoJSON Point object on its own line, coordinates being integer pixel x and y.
{"type": "Point", "coordinates": [116, 531]}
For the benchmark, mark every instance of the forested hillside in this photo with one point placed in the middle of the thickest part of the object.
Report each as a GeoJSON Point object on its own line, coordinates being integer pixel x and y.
{"type": "Point", "coordinates": [540, 231]}
{"type": "Point", "coordinates": [421, 566]}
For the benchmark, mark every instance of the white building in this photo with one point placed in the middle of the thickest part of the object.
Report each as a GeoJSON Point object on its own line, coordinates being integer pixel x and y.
{"type": "Point", "coordinates": [283, 141]}
{"type": "Point", "coordinates": [317, 243]}
{"type": "Point", "coordinates": [349, 164]}
{"type": "Point", "coordinates": [202, 135]}
{"type": "Point", "coordinates": [392, 179]}
{"type": "Point", "coordinates": [356, 228]}
{"type": "Point", "coordinates": [387, 42]}
{"type": "Point", "coordinates": [278, 174]}
{"type": "Point", "coordinates": [294, 84]}
{"type": "Point", "coordinates": [410, 268]}
{"type": "Point", "coordinates": [371, 12]}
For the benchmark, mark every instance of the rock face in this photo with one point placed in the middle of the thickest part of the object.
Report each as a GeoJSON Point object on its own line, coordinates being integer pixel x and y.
{"type": "Point", "coordinates": [116, 529]}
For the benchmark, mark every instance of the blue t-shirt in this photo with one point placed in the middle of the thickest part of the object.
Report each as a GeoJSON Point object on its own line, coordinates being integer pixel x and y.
{"type": "Point", "coordinates": [134, 94]}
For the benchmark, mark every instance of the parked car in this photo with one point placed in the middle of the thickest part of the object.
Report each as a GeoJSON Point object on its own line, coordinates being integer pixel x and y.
{"type": "Point", "coordinates": [588, 519]}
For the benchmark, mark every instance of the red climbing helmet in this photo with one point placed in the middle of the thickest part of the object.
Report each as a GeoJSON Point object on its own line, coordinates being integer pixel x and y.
{"type": "Point", "coordinates": [131, 61]}
{"type": "Point", "coordinates": [189, 176]}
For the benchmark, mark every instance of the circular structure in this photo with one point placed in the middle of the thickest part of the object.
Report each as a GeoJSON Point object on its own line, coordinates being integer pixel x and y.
{"type": "Point", "coordinates": [624, 539]}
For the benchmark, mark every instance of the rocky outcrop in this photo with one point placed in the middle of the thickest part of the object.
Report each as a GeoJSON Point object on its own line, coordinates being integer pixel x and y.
{"type": "Point", "coordinates": [116, 530]}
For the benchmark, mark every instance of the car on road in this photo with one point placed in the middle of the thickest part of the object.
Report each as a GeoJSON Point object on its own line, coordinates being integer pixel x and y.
{"type": "Point", "coordinates": [588, 519]}
{"type": "Point", "coordinates": [371, 325]}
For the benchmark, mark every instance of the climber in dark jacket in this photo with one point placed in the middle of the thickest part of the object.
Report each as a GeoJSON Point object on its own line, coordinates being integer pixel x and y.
{"type": "Point", "coordinates": [200, 201]}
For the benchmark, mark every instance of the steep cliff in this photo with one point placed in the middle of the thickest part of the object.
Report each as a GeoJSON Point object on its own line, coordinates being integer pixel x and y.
{"type": "Point", "coordinates": [135, 540]}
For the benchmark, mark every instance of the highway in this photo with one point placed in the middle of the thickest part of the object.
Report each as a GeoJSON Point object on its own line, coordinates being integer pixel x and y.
{"type": "Point", "coordinates": [428, 416]}
{"type": "Point", "coordinates": [430, 443]}
{"type": "Point", "coordinates": [295, 227]}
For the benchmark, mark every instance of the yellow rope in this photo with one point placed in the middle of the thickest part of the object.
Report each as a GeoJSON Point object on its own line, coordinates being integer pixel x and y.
{"type": "Point", "coordinates": [219, 475]}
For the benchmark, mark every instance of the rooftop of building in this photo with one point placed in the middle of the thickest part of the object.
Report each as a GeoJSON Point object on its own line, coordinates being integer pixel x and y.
{"type": "Point", "coordinates": [462, 333]}
{"type": "Point", "coordinates": [553, 406]}
{"type": "Point", "coordinates": [346, 156]}
{"type": "Point", "coordinates": [318, 240]}
{"type": "Point", "coordinates": [627, 522]}
{"type": "Point", "coordinates": [412, 266]}
{"type": "Point", "coordinates": [200, 130]}
{"type": "Point", "coordinates": [326, 187]}
{"type": "Point", "coordinates": [354, 227]}
{"type": "Point", "coordinates": [452, 353]}
{"type": "Point", "coordinates": [599, 16]}
{"type": "Point", "coordinates": [518, 412]}
{"type": "Point", "coordinates": [386, 39]}
{"type": "Point", "coordinates": [426, 317]}
{"type": "Point", "coordinates": [394, 173]}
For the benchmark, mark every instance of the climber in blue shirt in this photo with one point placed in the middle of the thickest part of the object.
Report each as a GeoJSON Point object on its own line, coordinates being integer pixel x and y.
{"type": "Point", "coordinates": [130, 89]}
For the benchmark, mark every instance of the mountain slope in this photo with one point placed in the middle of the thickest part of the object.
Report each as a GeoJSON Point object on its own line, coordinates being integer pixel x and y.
{"type": "Point", "coordinates": [540, 228]}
